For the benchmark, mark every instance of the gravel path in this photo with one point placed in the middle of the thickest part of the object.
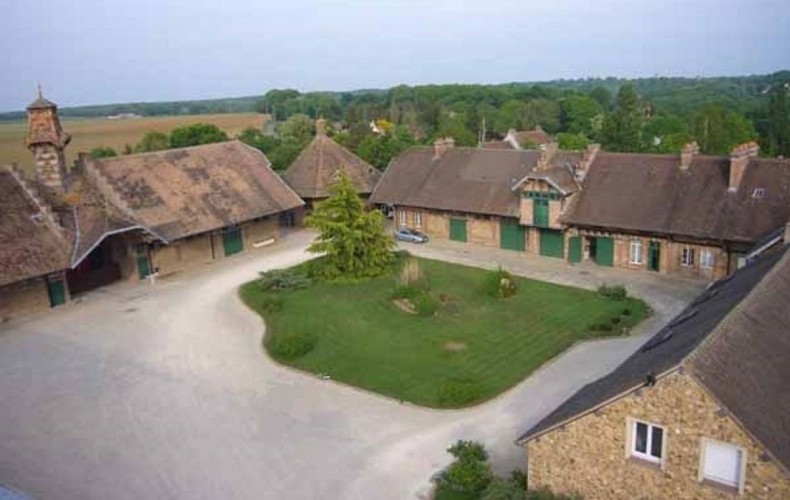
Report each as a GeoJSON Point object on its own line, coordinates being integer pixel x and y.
{"type": "Point", "coordinates": [162, 391]}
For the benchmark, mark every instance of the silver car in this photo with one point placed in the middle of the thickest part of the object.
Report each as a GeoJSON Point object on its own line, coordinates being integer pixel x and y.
{"type": "Point", "coordinates": [410, 235]}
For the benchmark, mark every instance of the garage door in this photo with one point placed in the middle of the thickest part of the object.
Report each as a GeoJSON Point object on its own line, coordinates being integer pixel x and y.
{"type": "Point", "coordinates": [458, 229]}
{"type": "Point", "coordinates": [511, 235]}
{"type": "Point", "coordinates": [57, 291]}
{"type": "Point", "coordinates": [551, 243]}
{"type": "Point", "coordinates": [232, 241]}
{"type": "Point", "coordinates": [604, 251]}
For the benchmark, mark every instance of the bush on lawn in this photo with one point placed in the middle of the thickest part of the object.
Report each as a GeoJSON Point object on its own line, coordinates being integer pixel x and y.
{"type": "Point", "coordinates": [500, 284]}
{"type": "Point", "coordinates": [616, 292]}
{"type": "Point", "coordinates": [283, 279]}
{"type": "Point", "coordinates": [601, 327]}
{"type": "Point", "coordinates": [269, 304]}
{"type": "Point", "coordinates": [291, 345]}
{"type": "Point", "coordinates": [504, 489]}
{"type": "Point", "coordinates": [470, 472]}
{"type": "Point", "coordinates": [454, 393]}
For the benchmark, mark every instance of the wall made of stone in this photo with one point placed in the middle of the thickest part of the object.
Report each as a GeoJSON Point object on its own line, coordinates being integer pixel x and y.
{"type": "Point", "coordinates": [19, 299]}
{"type": "Point", "coordinates": [555, 209]}
{"type": "Point", "coordinates": [526, 209]}
{"type": "Point", "coordinates": [259, 233]}
{"type": "Point", "coordinates": [185, 253]}
{"type": "Point", "coordinates": [483, 231]}
{"type": "Point", "coordinates": [588, 455]}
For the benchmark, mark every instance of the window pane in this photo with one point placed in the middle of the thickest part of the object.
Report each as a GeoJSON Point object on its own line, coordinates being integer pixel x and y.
{"type": "Point", "coordinates": [655, 444]}
{"type": "Point", "coordinates": [723, 463]}
{"type": "Point", "coordinates": [640, 440]}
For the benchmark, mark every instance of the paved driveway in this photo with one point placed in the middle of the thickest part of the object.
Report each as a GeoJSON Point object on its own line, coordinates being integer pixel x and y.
{"type": "Point", "coordinates": [162, 391]}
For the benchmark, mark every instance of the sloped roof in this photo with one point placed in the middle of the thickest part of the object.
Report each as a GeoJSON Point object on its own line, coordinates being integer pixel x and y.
{"type": "Point", "coordinates": [644, 192]}
{"type": "Point", "coordinates": [182, 192]}
{"type": "Point", "coordinates": [462, 179]}
{"type": "Point", "coordinates": [41, 103]}
{"type": "Point", "coordinates": [30, 243]}
{"type": "Point", "coordinates": [733, 339]}
{"type": "Point", "coordinates": [315, 169]}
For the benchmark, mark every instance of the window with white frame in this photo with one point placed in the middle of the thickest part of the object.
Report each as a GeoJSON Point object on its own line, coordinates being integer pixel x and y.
{"type": "Point", "coordinates": [723, 464]}
{"type": "Point", "coordinates": [706, 258]}
{"type": "Point", "coordinates": [687, 257]}
{"type": "Point", "coordinates": [636, 251]}
{"type": "Point", "coordinates": [417, 219]}
{"type": "Point", "coordinates": [647, 441]}
{"type": "Point", "coordinates": [402, 217]}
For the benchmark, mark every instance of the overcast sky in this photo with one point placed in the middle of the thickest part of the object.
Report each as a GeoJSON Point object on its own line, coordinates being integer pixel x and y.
{"type": "Point", "coordinates": [106, 51]}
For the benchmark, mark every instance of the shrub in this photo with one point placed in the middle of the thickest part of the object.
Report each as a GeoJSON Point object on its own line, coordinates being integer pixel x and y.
{"type": "Point", "coordinates": [270, 304]}
{"type": "Point", "coordinates": [519, 477]}
{"type": "Point", "coordinates": [291, 345]}
{"type": "Point", "coordinates": [283, 279]}
{"type": "Point", "coordinates": [601, 327]}
{"type": "Point", "coordinates": [503, 489]}
{"type": "Point", "coordinates": [470, 472]}
{"type": "Point", "coordinates": [500, 284]}
{"type": "Point", "coordinates": [626, 312]}
{"type": "Point", "coordinates": [426, 305]}
{"type": "Point", "coordinates": [616, 320]}
{"type": "Point", "coordinates": [616, 292]}
{"type": "Point", "coordinates": [459, 392]}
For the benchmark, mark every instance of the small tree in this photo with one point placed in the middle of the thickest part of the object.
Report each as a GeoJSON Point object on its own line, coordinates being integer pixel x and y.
{"type": "Point", "coordinates": [470, 472]}
{"type": "Point", "coordinates": [103, 152]}
{"type": "Point", "coordinates": [352, 238]}
{"type": "Point", "coordinates": [195, 134]}
{"type": "Point", "coordinates": [152, 141]}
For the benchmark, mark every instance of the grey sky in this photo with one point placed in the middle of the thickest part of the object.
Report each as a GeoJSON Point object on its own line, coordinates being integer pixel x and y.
{"type": "Point", "coordinates": [103, 51]}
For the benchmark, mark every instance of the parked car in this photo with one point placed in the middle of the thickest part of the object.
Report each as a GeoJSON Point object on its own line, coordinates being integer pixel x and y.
{"type": "Point", "coordinates": [410, 235]}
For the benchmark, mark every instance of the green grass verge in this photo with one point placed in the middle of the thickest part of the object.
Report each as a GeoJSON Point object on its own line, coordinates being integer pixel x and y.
{"type": "Point", "coordinates": [472, 349]}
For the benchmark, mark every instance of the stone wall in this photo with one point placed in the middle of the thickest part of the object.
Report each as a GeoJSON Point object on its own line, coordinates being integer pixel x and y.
{"type": "Point", "coordinates": [19, 299]}
{"type": "Point", "coordinates": [260, 233]}
{"type": "Point", "coordinates": [483, 231]}
{"type": "Point", "coordinates": [589, 455]}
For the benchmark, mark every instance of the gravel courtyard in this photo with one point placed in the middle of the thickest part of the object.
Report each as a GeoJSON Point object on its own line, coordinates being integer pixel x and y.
{"type": "Point", "coordinates": [163, 391]}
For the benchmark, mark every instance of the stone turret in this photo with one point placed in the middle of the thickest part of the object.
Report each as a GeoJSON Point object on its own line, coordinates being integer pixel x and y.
{"type": "Point", "coordinates": [47, 141]}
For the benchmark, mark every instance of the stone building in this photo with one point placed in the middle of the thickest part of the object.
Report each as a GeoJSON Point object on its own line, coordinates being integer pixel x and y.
{"type": "Point", "coordinates": [701, 410]}
{"type": "Point", "coordinates": [317, 167]}
{"type": "Point", "coordinates": [129, 217]}
{"type": "Point", "coordinates": [688, 214]}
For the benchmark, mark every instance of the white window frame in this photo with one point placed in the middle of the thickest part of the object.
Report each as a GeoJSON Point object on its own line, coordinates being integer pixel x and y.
{"type": "Point", "coordinates": [701, 469]}
{"type": "Point", "coordinates": [707, 259]}
{"type": "Point", "coordinates": [417, 219]}
{"type": "Point", "coordinates": [632, 452]}
{"type": "Point", "coordinates": [635, 255]}
{"type": "Point", "coordinates": [401, 217]}
{"type": "Point", "coordinates": [687, 257]}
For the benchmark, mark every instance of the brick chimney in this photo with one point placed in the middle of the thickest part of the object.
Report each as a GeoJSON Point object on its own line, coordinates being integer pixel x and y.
{"type": "Point", "coordinates": [441, 146]}
{"type": "Point", "coordinates": [320, 127]}
{"type": "Point", "coordinates": [739, 159]}
{"type": "Point", "coordinates": [547, 152]}
{"type": "Point", "coordinates": [47, 141]}
{"type": "Point", "coordinates": [587, 158]}
{"type": "Point", "coordinates": [687, 154]}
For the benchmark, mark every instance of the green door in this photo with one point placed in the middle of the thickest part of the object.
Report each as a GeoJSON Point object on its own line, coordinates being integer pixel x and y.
{"type": "Point", "coordinates": [143, 263]}
{"type": "Point", "coordinates": [540, 213]}
{"type": "Point", "coordinates": [604, 252]}
{"type": "Point", "coordinates": [232, 241]}
{"type": "Point", "coordinates": [458, 229]}
{"type": "Point", "coordinates": [511, 235]}
{"type": "Point", "coordinates": [653, 256]}
{"type": "Point", "coordinates": [575, 249]}
{"type": "Point", "coordinates": [551, 243]}
{"type": "Point", "coordinates": [57, 291]}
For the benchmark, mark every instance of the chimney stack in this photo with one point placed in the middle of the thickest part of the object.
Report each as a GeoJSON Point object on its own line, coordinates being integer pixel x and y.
{"type": "Point", "coordinates": [687, 154]}
{"type": "Point", "coordinates": [739, 159]}
{"type": "Point", "coordinates": [320, 127]}
{"type": "Point", "coordinates": [547, 152]}
{"type": "Point", "coordinates": [441, 146]}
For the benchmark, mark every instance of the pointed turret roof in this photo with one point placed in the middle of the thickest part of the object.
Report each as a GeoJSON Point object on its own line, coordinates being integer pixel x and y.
{"type": "Point", "coordinates": [40, 102]}
{"type": "Point", "coordinates": [315, 169]}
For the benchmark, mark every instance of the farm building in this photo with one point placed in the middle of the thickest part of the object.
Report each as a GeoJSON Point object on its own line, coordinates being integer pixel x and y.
{"type": "Point", "coordinates": [699, 411]}
{"type": "Point", "coordinates": [689, 214]}
{"type": "Point", "coordinates": [316, 168]}
{"type": "Point", "coordinates": [129, 217]}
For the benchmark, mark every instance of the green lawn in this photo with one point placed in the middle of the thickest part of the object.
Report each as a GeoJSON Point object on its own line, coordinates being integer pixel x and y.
{"type": "Point", "coordinates": [361, 338]}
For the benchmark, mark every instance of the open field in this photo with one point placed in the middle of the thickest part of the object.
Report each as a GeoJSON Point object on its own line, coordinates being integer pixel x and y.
{"type": "Point", "coordinates": [474, 348]}
{"type": "Point", "coordinates": [89, 133]}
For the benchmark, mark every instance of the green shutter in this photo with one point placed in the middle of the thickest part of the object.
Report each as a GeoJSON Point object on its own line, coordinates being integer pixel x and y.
{"type": "Point", "coordinates": [540, 212]}
{"type": "Point", "coordinates": [575, 249]}
{"type": "Point", "coordinates": [551, 243]}
{"type": "Point", "coordinates": [604, 251]}
{"type": "Point", "coordinates": [511, 235]}
{"type": "Point", "coordinates": [57, 291]}
{"type": "Point", "coordinates": [232, 241]}
{"type": "Point", "coordinates": [458, 229]}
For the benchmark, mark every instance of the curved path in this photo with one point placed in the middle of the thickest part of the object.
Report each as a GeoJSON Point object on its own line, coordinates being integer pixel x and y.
{"type": "Point", "coordinates": [162, 391]}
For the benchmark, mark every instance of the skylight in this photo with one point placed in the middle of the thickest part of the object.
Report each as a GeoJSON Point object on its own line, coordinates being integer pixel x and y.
{"type": "Point", "coordinates": [758, 193]}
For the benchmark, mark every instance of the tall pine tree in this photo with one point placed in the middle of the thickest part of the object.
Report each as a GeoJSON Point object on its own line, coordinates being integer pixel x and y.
{"type": "Point", "coordinates": [622, 129]}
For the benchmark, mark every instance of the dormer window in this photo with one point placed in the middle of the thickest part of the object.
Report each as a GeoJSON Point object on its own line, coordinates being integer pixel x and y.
{"type": "Point", "coordinates": [758, 193]}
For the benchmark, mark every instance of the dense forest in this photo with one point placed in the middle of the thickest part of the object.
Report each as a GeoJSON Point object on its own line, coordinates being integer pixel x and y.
{"type": "Point", "coordinates": [640, 115]}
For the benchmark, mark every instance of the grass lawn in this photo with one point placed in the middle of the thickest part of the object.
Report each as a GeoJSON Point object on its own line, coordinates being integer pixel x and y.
{"type": "Point", "coordinates": [475, 347]}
